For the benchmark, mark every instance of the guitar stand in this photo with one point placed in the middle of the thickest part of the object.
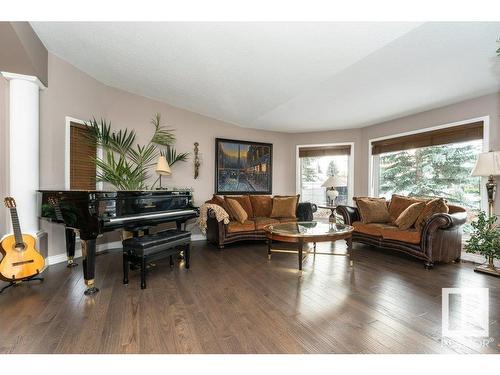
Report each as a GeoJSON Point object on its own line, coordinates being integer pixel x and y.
{"type": "Point", "coordinates": [17, 282]}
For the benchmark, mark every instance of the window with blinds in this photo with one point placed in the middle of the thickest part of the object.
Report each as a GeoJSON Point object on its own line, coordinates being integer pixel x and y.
{"type": "Point", "coordinates": [319, 151]}
{"type": "Point", "coordinates": [82, 152]}
{"type": "Point", "coordinates": [435, 163]}
{"type": "Point", "coordinates": [317, 165]}
{"type": "Point", "coordinates": [454, 134]}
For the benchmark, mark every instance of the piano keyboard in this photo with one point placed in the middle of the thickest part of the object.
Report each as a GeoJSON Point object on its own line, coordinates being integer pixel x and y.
{"type": "Point", "coordinates": [151, 216]}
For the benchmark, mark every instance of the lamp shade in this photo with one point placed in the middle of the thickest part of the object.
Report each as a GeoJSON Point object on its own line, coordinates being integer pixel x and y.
{"type": "Point", "coordinates": [487, 164]}
{"type": "Point", "coordinates": [162, 167]}
{"type": "Point", "coordinates": [335, 181]}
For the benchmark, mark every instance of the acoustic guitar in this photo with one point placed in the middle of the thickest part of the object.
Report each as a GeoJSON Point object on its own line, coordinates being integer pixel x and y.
{"type": "Point", "coordinates": [20, 259]}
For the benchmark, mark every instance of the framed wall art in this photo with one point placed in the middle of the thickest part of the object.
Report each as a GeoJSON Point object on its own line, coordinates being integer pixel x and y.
{"type": "Point", "coordinates": [243, 167]}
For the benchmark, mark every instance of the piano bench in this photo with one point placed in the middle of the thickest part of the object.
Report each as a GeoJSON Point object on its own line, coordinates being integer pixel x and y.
{"type": "Point", "coordinates": [141, 250]}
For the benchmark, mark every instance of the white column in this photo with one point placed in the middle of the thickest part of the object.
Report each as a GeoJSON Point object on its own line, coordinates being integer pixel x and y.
{"type": "Point", "coordinates": [24, 147]}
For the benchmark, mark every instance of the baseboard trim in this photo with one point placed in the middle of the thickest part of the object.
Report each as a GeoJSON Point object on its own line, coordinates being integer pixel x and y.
{"type": "Point", "coordinates": [198, 237]}
{"type": "Point", "coordinates": [54, 259]}
{"type": "Point", "coordinates": [61, 258]}
{"type": "Point", "coordinates": [476, 258]}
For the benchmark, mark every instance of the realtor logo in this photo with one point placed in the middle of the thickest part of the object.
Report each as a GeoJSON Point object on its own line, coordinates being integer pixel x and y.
{"type": "Point", "coordinates": [465, 312]}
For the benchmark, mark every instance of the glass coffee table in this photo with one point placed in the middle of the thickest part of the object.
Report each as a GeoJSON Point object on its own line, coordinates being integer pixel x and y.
{"type": "Point", "coordinates": [306, 232]}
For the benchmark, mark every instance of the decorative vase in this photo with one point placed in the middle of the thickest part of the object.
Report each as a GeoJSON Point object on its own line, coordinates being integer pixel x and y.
{"type": "Point", "coordinates": [332, 194]}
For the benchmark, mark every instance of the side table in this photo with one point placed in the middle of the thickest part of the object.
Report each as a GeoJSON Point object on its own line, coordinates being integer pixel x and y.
{"type": "Point", "coordinates": [332, 217]}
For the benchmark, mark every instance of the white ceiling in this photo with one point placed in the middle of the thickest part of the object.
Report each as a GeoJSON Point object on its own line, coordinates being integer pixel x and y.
{"type": "Point", "coordinates": [290, 77]}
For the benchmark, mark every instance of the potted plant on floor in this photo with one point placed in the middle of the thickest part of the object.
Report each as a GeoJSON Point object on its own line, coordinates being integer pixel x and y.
{"type": "Point", "coordinates": [485, 240]}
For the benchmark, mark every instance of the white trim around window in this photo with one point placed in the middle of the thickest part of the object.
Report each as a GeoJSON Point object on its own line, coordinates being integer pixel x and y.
{"type": "Point", "coordinates": [67, 152]}
{"type": "Point", "coordinates": [486, 147]}
{"type": "Point", "coordinates": [350, 177]}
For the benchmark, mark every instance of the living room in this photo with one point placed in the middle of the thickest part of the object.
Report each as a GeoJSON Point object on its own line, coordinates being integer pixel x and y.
{"type": "Point", "coordinates": [249, 187]}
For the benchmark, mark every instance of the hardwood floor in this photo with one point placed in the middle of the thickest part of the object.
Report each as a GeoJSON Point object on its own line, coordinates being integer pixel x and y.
{"type": "Point", "coordinates": [236, 301]}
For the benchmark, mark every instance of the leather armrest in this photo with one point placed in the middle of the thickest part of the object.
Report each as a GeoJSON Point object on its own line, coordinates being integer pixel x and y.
{"type": "Point", "coordinates": [211, 213]}
{"type": "Point", "coordinates": [212, 219]}
{"type": "Point", "coordinates": [350, 214]}
{"type": "Point", "coordinates": [442, 236]}
{"type": "Point", "coordinates": [444, 221]}
{"type": "Point", "coordinates": [216, 230]}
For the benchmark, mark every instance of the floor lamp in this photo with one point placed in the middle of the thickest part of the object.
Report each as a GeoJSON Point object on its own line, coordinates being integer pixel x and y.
{"type": "Point", "coordinates": [488, 165]}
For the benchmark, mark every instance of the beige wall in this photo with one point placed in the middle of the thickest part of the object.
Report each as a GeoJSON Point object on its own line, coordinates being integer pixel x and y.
{"type": "Point", "coordinates": [75, 94]}
{"type": "Point", "coordinates": [488, 105]}
{"type": "Point", "coordinates": [21, 51]}
{"type": "Point", "coordinates": [70, 93]}
{"type": "Point", "coordinates": [132, 111]}
{"type": "Point", "coordinates": [4, 152]}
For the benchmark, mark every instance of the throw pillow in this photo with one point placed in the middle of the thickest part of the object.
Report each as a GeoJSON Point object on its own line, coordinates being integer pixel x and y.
{"type": "Point", "coordinates": [244, 201]}
{"type": "Point", "coordinates": [284, 206]}
{"type": "Point", "coordinates": [434, 206]}
{"type": "Point", "coordinates": [218, 200]}
{"type": "Point", "coordinates": [399, 203]}
{"type": "Point", "coordinates": [409, 216]}
{"type": "Point", "coordinates": [373, 210]}
{"type": "Point", "coordinates": [262, 205]}
{"type": "Point", "coordinates": [237, 210]}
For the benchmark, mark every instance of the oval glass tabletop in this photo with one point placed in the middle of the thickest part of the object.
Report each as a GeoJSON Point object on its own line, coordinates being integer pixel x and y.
{"type": "Point", "coordinates": [308, 229]}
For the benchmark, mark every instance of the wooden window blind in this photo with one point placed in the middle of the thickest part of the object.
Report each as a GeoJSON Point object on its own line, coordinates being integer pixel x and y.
{"type": "Point", "coordinates": [317, 151]}
{"type": "Point", "coordinates": [454, 134]}
{"type": "Point", "coordinates": [82, 152]}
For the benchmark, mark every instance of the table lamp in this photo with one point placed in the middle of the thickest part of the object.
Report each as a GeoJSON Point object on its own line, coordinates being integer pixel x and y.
{"type": "Point", "coordinates": [331, 183]}
{"type": "Point", "coordinates": [162, 168]}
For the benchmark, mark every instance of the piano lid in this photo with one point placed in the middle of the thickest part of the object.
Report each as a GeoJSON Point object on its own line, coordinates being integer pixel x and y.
{"type": "Point", "coordinates": [81, 205]}
{"type": "Point", "coordinates": [70, 191]}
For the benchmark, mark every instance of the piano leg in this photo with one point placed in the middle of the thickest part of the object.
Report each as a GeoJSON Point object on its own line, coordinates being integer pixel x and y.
{"type": "Point", "coordinates": [70, 247]}
{"type": "Point", "coordinates": [187, 254]}
{"type": "Point", "coordinates": [179, 225]}
{"type": "Point", "coordinates": [88, 252]}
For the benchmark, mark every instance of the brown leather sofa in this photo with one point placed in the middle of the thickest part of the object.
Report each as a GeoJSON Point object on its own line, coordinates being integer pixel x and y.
{"type": "Point", "coordinates": [221, 234]}
{"type": "Point", "coordinates": [440, 239]}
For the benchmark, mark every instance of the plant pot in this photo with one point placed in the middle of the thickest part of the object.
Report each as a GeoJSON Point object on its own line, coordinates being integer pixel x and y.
{"type": "Point", "coordinates": [488, 268]}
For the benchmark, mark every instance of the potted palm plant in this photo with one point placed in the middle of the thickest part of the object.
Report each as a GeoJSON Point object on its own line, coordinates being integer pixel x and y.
{"type": "Point", "coordinates": [485, 240]}
{"type": "Point", "coordinates": [125, 164]}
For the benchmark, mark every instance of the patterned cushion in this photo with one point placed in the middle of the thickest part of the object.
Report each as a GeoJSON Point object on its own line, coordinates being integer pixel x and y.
{"type": "Point", "coordinates": [262, 205]}
{"type": "Point", "coordinates": [409, 216]}
{"type": "Point", "coordinates": [400, 203]}
{"type": "Point", "coordinates": [434, 206]}
{"type": "Point", "coordinates": [237, 210]}
{"type": "Point", "coordinates": [220, 201]}
{"type": "Point", "coordinates": [235, 227]}
{"type": "Point", "coordinates": [284, 206]}
{"type": "Point", "coordinates": [244, 201]}
{"type": "Point", "coordinates": [373, 210]}
{"type": "Point", "coordinates": [261, 222]}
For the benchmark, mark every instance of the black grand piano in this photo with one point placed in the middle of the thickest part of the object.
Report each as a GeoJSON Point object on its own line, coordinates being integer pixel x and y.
{"type": "Point", "coordinates": [92, 212]}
